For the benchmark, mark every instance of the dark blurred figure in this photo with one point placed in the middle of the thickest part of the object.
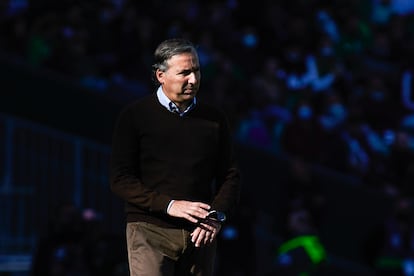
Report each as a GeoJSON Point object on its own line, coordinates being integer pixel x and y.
{"type": "Point", "coordinates": [76, 245]}
{"type": "Point", "coordinates": [401, 163]}
{"type": "Point", "coordinates": [302, 136]}
{"type": "Point", "coordinates": [236, 250]}
{"type": "Point", "coordinates": [331, 121]}
{"type": "Point", "coordinates": [303, 188]}
{"type": "Point", "coordinates": [301, 251]}
{"type": "Point", "coordinates": [390, 247]}
{"type": "Point", "coordinates": [380, 108]}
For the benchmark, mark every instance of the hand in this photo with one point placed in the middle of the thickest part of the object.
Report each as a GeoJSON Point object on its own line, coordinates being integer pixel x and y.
{"type": "Point", "coordinates": [190, 210]}
{"type": "Point", "coordinates": [206, 232]}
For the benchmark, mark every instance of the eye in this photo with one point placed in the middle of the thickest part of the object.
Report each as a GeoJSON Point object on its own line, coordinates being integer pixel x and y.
{"type": "Point", "coordinates": [188, 72]}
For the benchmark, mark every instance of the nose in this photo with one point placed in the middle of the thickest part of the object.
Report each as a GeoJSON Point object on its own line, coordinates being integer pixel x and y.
{"type": "Point", "coordinates": [192, 78]}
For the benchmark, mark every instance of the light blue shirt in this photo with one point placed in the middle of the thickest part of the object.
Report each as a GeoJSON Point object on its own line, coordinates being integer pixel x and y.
{"type": "Point", "coordinates": [169, 105]}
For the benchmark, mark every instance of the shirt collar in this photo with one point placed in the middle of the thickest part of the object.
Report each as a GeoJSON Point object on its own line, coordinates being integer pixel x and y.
{"type": "Point", "coordinates": [171, 106]}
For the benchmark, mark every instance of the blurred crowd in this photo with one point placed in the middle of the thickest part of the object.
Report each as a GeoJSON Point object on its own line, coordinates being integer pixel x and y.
{"type": "Point", "coordinates": [75, 243]}
{"type": "Point", "coordinates": [328, 82]}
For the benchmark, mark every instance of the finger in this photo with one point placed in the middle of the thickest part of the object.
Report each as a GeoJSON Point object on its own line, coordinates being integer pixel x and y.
{"type": "Point", "coordinates": [195, 234]}
{"type": "Point", "coordinates": [212, 236]}
{"type": "Point", "coordinates": [199, 213]}
{"type": "Point", "coordinates": [204, 206]}
{"type": "Point", "coordinates": [189, 210]}
{"type": "Point", "coordinates": [207, 226]}
{"type": "Point", "coordinates": [213, 225]}
{"type": "Point", "coordinates": [199, 205]}
{"type": "Point", "coordinates": [190, 218]}
{"type": "Point", "coordinates": [213, 228]}
{"type": "Point", "coordinates": [200, 238]}
{"type": "Point", "coordinates": [198, 210]}
{"type": "Point", "coordinates": [194, 216]}
{"type": "Point", "coordinates": [207, 237]}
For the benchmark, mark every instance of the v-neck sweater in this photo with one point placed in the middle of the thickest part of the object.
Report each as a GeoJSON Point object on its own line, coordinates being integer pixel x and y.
{"type": "Point", "coordinates": [158, 156]}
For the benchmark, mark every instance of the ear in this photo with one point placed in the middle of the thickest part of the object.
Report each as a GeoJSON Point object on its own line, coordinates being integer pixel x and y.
{"type": "Point", "coordinates": [160, 75]}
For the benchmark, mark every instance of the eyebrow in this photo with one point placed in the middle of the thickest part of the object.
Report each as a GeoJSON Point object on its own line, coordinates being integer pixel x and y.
{"type": "Point", "coordinates": [187, 71]}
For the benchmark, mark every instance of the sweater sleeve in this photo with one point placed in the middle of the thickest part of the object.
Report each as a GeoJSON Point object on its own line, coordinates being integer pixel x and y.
{"type": "Point", "coordinates": [124, 170]}
{"type": "Point", "coordinates": [228, 180]}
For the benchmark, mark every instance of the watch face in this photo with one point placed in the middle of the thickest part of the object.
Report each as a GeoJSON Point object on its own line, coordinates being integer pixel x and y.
{"type": "Point", "coordinates": [221, 216]}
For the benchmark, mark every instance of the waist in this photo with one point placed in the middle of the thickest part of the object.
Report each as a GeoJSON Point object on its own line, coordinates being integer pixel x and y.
{"type": "Point", "coordinates": [162, 220]}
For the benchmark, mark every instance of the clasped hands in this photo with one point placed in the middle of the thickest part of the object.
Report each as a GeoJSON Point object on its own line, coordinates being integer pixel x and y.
{"type": "Point", "coordinates": [196, 212]}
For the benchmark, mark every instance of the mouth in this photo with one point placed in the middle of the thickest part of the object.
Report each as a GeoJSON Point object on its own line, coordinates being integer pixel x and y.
{"type": "Point", "coordinates": [189, 91]}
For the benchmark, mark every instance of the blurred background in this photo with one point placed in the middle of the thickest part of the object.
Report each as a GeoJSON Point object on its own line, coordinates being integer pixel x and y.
{"type": "Point", "coordinates": [319, 96]}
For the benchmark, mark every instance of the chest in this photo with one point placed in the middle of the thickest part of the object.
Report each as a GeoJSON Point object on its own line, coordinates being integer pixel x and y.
{"type": "Point", "coordinates": [174, 135]}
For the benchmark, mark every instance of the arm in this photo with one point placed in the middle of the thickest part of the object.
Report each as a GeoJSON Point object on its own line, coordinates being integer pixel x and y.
{"type": "Point", "coordinates": [124, 166]}
{"type": "Point", "coordinates": [228, 190]}
{"type": "Point", "coordinates": [227, 174]}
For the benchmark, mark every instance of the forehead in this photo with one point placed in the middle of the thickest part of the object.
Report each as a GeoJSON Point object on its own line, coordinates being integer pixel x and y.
{"type": "Point", "coordinates": [183, 61]}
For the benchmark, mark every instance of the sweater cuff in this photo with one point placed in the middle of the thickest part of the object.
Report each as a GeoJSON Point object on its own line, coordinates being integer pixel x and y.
{"type": "Point", "coordinates": [169, 205]}
{"type": "Point", "coordinates": [160, 203]}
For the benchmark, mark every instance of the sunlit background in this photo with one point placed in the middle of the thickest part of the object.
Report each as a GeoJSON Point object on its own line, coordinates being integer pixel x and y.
{"type": "Point", "coordinates": [319, 94]}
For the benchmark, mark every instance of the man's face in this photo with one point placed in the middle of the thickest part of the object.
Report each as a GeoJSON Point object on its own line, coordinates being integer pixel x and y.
{"type": "Point", "coordinates": [181, 81]}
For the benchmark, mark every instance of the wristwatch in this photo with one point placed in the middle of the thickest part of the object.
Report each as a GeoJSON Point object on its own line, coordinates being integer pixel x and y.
{"type": "Point", "coordinates": [217, 215]}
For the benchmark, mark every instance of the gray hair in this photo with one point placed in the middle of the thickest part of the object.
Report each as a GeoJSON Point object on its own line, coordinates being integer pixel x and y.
{"type": "Point", "coordinates": [166, 50]}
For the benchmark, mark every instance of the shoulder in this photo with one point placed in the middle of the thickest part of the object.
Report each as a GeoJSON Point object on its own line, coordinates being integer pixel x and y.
{"type": "Point", "coordinates": [135, 111]}
{"type": "Point", "coordinates": [211, 111]}
{"type": "Point", "coordinates": [212, 114]}
{"type": "Point", "coordinates": [141, 102]}
{"type": "Point", "coordinates": [140, 105]}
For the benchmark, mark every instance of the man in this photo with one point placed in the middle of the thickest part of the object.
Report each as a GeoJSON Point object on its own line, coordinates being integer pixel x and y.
{"type": "Point", "coordinates": [172, 163]}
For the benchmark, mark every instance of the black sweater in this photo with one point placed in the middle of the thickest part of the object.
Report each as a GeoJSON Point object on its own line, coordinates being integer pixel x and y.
{"type": "Point", "coordinates": [158, 156]}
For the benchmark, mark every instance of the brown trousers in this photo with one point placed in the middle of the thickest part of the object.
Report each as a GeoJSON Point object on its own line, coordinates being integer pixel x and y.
{"type": "Point", "coordinates": [157, 251]}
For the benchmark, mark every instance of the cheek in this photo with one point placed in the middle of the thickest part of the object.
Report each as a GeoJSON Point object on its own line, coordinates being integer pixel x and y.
{"type": "Point", "coordinates": [176, 82]}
